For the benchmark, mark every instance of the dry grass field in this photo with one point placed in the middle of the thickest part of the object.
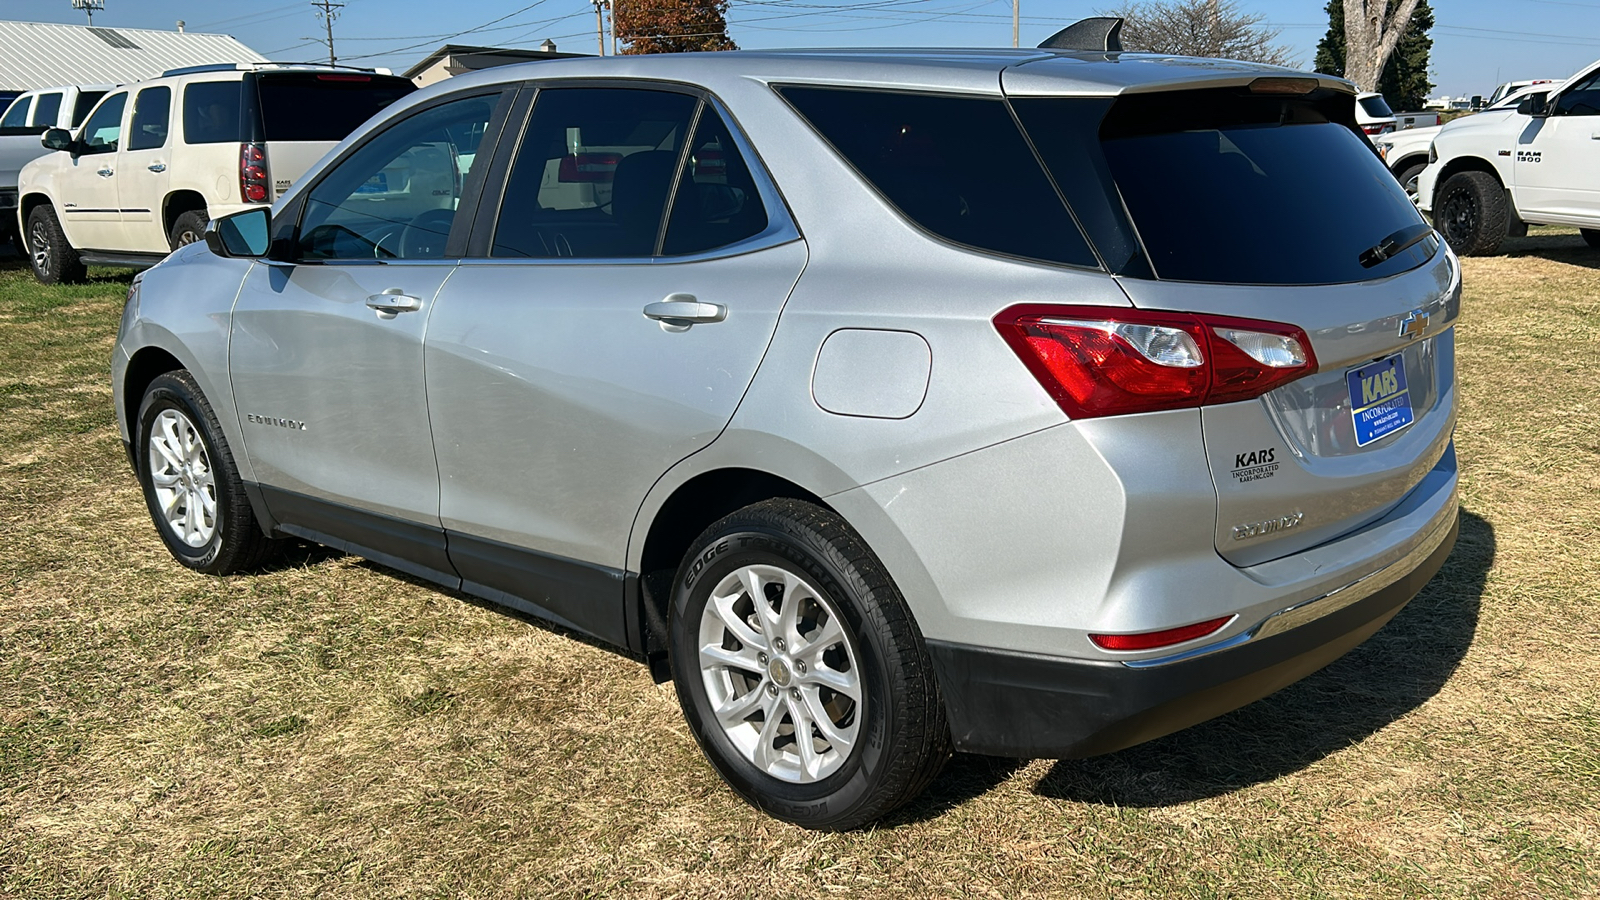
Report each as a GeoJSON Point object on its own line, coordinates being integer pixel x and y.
{"type": "Point", "coordinates": [328, 728]}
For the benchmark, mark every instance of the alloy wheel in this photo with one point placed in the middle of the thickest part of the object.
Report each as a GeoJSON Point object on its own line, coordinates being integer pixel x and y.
{"type": "Point", "coordinates": [780, 670]}
{"type": "Point", "coordinates": [39, 243]}
{"type": "Point", "coordinates": [180, 472]}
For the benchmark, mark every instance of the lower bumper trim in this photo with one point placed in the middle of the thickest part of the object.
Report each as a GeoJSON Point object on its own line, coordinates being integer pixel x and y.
{"type": "Point", "coordinates": [1018, 704]}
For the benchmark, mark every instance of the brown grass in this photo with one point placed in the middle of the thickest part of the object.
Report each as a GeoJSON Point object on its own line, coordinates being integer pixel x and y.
{"type": "Point", "coordinates": [328, 728]}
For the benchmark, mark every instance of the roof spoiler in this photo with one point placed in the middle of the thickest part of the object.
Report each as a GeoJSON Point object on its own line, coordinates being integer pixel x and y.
{"type": "Point", "coordinates": [1101, 34]}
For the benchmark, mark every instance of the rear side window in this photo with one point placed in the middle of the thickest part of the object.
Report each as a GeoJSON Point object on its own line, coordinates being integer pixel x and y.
{"type": "Point", "coordinates": [323, 106]}
{"type": "Point", "coordinates": [85, 102]}
{"type": "Point", "coordinates": [957, 166]}
{"type": "Point", "coordinates": [46, 110]}
{"type": "Point", "coordinates": [17, 115]}
{"type": "Point", "coordinates": [1376, 107]}
{"type": "Point", "coordinates": [152, 110]}
{"type": "Point", "coordinates": [1225, 186]}
{"type": "Point", "coordinates": [211, 113]}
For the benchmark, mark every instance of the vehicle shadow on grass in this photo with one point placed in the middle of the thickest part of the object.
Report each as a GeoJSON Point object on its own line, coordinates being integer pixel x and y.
{"type": "Point", "coordinates": [1566, 248]}
{"type": "Point", "coordinates": [1393, 673]}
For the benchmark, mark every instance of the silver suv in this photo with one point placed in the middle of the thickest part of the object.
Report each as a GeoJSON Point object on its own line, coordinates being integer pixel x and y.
{"type": "Point", "coordinates": [1032, 403]}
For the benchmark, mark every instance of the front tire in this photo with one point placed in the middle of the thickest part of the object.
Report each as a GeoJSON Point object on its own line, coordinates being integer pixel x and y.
{"type": "Point", "coordinates": [191, 484]}
{"type": "Point", "coordinates": [800, 670]}
{"type": "Point", "coordinates": [53, 258]}
{"type": "Point", "coordinates": [1472, 213]}
{"type": "Point", "coordinates": [188, 228]}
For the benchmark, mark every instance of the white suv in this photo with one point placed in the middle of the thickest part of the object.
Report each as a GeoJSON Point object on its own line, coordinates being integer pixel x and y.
{"type": "Point", "coordinates": [156, 160]}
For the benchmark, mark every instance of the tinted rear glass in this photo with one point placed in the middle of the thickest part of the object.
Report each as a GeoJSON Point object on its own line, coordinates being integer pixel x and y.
{"type": "Point", "coordinates": [47, 109]}
{"type": "Point", "coordinates": [1376, 107]}
{"type": "Point", "coordinates": [211, 113]}
{"type": "Point", "coordinates": [324, 107]}
{"type": "Point", "coordinates": [1227, 187]}
{"type": "Point", "coordinates": [86, 101]}
{"type": "Point", "coordinates": [957, 166]}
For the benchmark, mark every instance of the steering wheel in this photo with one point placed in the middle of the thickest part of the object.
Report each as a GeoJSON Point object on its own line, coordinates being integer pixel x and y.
{"type": "Point", "coordinates": [424, 237]}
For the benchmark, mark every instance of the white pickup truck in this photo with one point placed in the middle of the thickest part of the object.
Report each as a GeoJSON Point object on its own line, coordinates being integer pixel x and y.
{"type": "Point", "coordinates": [21, 126]}
{"type": "Point", "coordinates": [1491, 176]}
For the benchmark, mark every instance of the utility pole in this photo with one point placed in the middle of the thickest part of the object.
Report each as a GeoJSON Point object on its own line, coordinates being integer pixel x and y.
{"type": "Point", "coordinates": [1016, 23]}
{"type": "Point", "coordinates": [329, 11]}
{"type": "Point", "coordinates": [89, 6]}
{"type": "Point", "coordinates": [600, 24]}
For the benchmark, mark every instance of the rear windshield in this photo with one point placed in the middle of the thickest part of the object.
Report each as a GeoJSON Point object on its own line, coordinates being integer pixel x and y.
{"type": "Point", "coordinates": [957, 166]}
{"type": "Point", "coordinates": [1376, 107]}
{"type": "Point", "coordinates": [1224, 186]}
{"type": "Point", "coordinates": [324, 106]}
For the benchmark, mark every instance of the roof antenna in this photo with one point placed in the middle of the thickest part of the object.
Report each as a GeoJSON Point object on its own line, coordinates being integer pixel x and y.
{"type": "Point", "coordinates": [1101, 34]}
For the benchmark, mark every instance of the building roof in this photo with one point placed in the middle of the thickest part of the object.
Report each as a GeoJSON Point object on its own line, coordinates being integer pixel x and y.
{"type": "Point", "coordinates": [38, 54]}
{"type": "Point", "coordinates": [471, 58]}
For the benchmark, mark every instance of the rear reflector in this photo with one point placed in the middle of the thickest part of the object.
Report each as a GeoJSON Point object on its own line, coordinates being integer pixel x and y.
{"type": "Point", "coordinates": [1105, 361]}
{"type": "Point", "coordinates": [1150, 640]}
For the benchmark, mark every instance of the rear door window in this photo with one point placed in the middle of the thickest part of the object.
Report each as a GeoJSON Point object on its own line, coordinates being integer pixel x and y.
{"type": "Point", "coordinates": [211, 113]}
{"type": "Point", "coordinates": [716, 202]}
{"type": "Point", "coordinates": [957, 166]}
{"type": "Point", "coordinates": [594, 173]}
{"type": "Point", "coordinates": [46, 110]}
{"type": "Point", "coordinates": [323, 106]}
{"type": "Point", "coordinates": [152, 110]}
{"type": "Point", "coordinates": [1225, 186]}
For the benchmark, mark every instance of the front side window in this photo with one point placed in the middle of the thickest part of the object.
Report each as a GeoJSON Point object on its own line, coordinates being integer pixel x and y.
{"type": "Point", "coordinates": [46, 110]}
{"type": "Point", "coordinates": [1582, 100]}
{"type": "Point", "coordinates": [955, 165]}
{"type": "Point", "coordinates": [593, 174]}
{"type": "Point", "coordinates": [103, 131]}
{"type": "Point", "coordinates": [151, 112]}
{"type": "Point", "coordinates": [17, 115]}
{"type": "Point", "coordinates": [211, 113]}
{"type": "Point", "coordinates": [397, 196]}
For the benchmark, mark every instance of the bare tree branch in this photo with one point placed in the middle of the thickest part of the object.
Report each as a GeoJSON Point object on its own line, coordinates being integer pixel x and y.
{"type": "Point", "coordinates": [1210, 28]}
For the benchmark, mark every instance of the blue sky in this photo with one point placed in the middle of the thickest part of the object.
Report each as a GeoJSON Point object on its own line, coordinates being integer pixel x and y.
{"type": "Point", "coordinates": [1476, 43]}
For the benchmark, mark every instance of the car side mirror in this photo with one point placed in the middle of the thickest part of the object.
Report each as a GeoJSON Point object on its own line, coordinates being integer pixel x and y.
{"type": "Point", "coordinates": [1535, 105]}
{"type": "Point", "coordinates": [243, 235]}
{"type": "Point", "coordinates": [57, 139]}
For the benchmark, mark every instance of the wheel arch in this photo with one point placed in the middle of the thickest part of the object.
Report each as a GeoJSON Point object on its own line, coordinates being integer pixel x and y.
{"type": "Point", "coordinates": [177, 203]}
{"type": "Point", "coordinates": [1465, 164]}
{"type": "Point", "coordinates": [28, 202]}
{"type": "Point", "coordinates": [146, 365]}
{"type": "Point", "coordinates": [1408, 160]}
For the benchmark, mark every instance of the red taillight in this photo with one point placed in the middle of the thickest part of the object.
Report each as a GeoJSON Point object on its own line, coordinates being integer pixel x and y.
{"type": "Point", "coordinates": [1104, 361]}
{"type": "Point", "coordinates": [1372, 129]}
{"type": "Point", "coordinates": [253, 173]}
{"type": "Point", "coordinates": [1150, 640]}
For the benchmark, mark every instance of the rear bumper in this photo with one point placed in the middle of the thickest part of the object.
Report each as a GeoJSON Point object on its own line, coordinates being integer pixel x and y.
{"type": "Point", "coordinates": [1017, 704]}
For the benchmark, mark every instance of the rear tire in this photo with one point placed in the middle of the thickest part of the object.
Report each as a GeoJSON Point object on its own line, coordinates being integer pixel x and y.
{"type": "Point", "coordinates": [188, 228]}
{"type": "Point", "coordinates": [1590, 237]}
{"type": "Point", "coordinates": [52, 257]}
{"type": "Point", "coordinates": [782, 659]}
{"type": "Point", "coordinates": [191, 484]}
{"type": "Point", "coordinates": [1472, 213]}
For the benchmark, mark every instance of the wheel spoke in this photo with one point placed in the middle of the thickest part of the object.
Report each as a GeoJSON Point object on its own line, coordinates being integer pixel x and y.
{"type": "Point", "coordinates": [170, 507]}
{"type": "Point", "coordinates": [208, 503]}
{"type": "Point", "coordinates": [743, 659]}
{"type": "Point", "coordinates": [722, 607]}
{"type": "Point", "coordinates": [839, 682]}
{"type": "Point", "coordinates": [739, 708]}
{"type": "Point", "coordinates": [765, 754]}
{"type": "Point", "coordinates": [758, 596]}
{"type": "Point", "coordinates": [836, 738]}
{"type": "Point", "coordinates": [789, 608]}
{"type": "Point", "coordinates": [165, 478]}
{"type": "Point", "coordinates": [824, 637]}
{"type": "Point", "coordinates": [800, 715]}
{"type": "Point", "coordinates": [160, 445]}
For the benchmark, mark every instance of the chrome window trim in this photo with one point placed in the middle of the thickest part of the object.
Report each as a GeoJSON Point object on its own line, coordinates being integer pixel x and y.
{"type": "Point", "coordinates": [1308, 611]}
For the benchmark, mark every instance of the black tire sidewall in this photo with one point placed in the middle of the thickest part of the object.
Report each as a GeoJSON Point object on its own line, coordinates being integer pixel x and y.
{"type": "Point", "coordinates": [816, 803]}
{"type": "Point", "coordinates": [171, 392]}
{"type": "Point", "coordinates": [193, 220]}
{"type": "Point", "coordinates": [62, 269]}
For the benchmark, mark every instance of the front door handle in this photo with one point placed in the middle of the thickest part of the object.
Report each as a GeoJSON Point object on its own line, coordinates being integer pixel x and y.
{"type": "Point", "coordinates": [158, 167]}
{"type": "Point", "coordinates": [679, 311]}
{"type": "Point", "coordinates": [392, 302]}
{"type": "Point", "coordinates": [105, 173]}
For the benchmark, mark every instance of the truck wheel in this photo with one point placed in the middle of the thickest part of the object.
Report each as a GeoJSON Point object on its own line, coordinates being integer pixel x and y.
{"type": "Point", "coordinates": [188, 228]}
{"type": "Point", "coordinates": [1408, 178]}
{"type": "Point", "coordinates": [53, 258]}
{"type": "Point", "coordinates": [1472, 212]}
{"type": "Point", "coordinates": [1590, 237]}
{"type": "Point", "coordinates": [800, 670]}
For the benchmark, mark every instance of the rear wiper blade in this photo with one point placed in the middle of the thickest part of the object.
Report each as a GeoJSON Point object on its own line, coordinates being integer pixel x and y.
{"type": "Point", "coordinates": [1395, 244]}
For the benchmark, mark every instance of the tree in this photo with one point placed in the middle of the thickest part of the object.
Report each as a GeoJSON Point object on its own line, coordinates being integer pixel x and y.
{"type": "Point", "coordinates": [671, 26]}
{"type": "Point", "coordinates": [1372, 29]}
{"type": "Point", "coordinates": [1404, 82]}
{"type": "Point", "coordinates": [1214, 28]}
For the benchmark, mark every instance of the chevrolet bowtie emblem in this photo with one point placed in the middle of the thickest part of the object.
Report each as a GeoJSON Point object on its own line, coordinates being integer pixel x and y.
{"type": "Point", "coordinates": [1414, 324]}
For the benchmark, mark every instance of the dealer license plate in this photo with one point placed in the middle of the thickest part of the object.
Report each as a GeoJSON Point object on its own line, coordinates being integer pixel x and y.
{"type": "Point", "coordinates": [1380, 402]}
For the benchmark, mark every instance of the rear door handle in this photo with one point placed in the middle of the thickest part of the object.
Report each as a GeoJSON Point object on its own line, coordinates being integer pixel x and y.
{"type": "Point", "coordinates": [392, 302]}
{"type": "Point", "coordinates": [679, 311]}
{"type": "Point", "coordinates": [105, 173]}
{"type": "Point", "coordinates": [158, 167]}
